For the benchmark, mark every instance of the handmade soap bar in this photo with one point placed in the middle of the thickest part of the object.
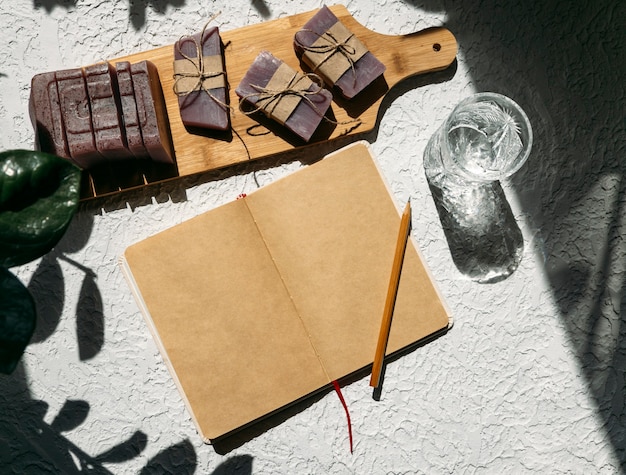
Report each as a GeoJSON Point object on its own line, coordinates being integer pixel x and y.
{"type": "Point", "coordinates": [152, 112]}
{"type": "Point", "coordinates": [290, 98]}
{"type": "Point", "coordinates": [106, 111]}
{"type": "Point", "coordinates": [45, 114]}
{"type": "Point", "coordinates": [200, 81]}
{"type": "Point", "coordinates": [336, 54]}
{"type": "Point", "coordinates": [129, 110]}
{"type": "Point", "coordinates": [76, 115]}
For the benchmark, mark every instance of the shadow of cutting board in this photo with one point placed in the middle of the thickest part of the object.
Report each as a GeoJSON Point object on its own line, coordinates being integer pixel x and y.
{"type": "Point", "coordinates": [430, 50]}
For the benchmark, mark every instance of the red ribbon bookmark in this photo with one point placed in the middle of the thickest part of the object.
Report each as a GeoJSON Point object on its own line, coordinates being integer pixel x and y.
{"type": "Point", "coordinates": [345, 407]}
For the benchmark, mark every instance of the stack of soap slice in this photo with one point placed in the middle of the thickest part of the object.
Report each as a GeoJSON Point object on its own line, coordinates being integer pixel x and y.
{"type": "Point", "coordinates": [331, 50]}
{"type": "Point", "coordinates": [106, 113]}
{"type": "Point", "coordinates": [101, 113]}
{"type": "Point", "coordinates": [288, 97]}
{"type": "Point", "coordinates": [75, 117]}
{"type": "Point", "coordinates": [152, 112]}
{"type": "Point", "coordinates": [200, 80]}
{"type": "Point", "coordinates": [128, 103]}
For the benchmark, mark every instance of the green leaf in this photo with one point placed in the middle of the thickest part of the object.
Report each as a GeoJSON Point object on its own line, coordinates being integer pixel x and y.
{"type": "Point", "coordinates": [39, 194]}
{"type": "Point", "coordinates": [17, 320]}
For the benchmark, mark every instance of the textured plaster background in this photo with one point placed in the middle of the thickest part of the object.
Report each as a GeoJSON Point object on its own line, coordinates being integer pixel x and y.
{"type": "Point", "coordinates": [531, 377]}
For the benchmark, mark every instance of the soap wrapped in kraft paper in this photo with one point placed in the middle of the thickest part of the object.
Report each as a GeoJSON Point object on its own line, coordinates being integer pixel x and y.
{"type": "Point", "coordinates": [331, 50]}
{"type": "Point", "coordinates": [287, 96]}
{"type": "Point", "coordinates": [200, 80]}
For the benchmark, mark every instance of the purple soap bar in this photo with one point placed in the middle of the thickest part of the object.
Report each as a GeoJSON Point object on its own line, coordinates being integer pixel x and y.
{"type": "Point", "coordinates": [260, 88]}
{"type": "Point", "coordinates": [200, 83]}
{"type": "Point", "coordinates": [319, 44]}
{"type": "Point", "coordinates": [45, 114]}
{"type": "Point", "coordinates": [152, 112]}
{"type": "Point", "coordinates": [76, 115]}
{"type": "Point", "coordinates": [128, 104]}
{"type": "Point", "coordinates": [106, 111]}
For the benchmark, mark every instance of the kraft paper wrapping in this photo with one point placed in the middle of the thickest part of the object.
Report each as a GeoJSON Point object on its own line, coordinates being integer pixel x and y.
{"type": "Point", "coordinates": [191, 77]}
{"type": "Point", "coordinates": [334, 52]}
{"type": "Point", "coordinates": [275, 102]}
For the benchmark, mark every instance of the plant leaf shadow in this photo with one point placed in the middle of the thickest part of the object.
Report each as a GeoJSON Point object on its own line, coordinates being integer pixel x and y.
{"type": "Point", "coordinates": [137, 9]}
{"type": "Point", "coordinates": [89, 319]}
{"type": "Point", "coordinates": [237, 465]}
{"type": "Point", "coordinates": [30, 445]}
{"type": "Point", "coordinates": [72, 414]}
{"type": "Point", "coordinates": [50, 4]}
{"type": "Point", "coordinates": [179, 458]}
{"type": "Point", "coordinates": [47, 285]}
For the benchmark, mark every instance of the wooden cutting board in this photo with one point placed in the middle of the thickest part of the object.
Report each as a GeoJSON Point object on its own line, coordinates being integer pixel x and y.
{"type": "Point", "coordinates": [426, 51]}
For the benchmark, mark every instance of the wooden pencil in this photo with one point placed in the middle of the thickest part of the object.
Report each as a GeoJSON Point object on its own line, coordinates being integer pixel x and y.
{"type": "Point", "coordinates": [392, 291]}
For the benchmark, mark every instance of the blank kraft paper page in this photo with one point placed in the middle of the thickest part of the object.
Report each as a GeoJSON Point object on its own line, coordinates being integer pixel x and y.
{"type": "Point", "coordinates": [224, 320]}
{"type": "Point", "coordinates": [331, 230]}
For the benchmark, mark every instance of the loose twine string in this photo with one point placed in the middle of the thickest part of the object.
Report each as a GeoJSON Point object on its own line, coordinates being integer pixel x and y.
{"type": "Point", "coordinates": [332, 47]}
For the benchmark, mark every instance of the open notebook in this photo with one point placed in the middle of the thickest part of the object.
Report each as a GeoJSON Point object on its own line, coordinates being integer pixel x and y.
{"type": "Point", "coordinates": [269, 298]}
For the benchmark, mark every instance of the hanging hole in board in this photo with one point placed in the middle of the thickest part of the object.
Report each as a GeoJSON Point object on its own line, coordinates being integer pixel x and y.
{"type": "Point", "coordinates": [436, 47]}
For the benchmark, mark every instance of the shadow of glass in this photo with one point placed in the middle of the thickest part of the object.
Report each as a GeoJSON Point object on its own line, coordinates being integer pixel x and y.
{"type": "Point", "coordinates": [484, 238]}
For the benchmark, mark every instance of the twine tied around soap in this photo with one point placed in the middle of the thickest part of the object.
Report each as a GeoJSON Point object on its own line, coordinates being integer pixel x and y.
{"type": "Point", "coordinates": [196, 68]}
{"type": "Point", "coordinates": [335, 40]}
{"type": "Point", "coordinates": [269, 99]}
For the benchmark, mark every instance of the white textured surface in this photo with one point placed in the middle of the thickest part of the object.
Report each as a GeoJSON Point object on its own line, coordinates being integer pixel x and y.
{"type": "Point", "coordinates": [530, 379]}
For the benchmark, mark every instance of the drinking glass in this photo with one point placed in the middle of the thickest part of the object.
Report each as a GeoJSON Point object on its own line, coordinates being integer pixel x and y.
{"type": "Point", "coordinates": [486, 138]}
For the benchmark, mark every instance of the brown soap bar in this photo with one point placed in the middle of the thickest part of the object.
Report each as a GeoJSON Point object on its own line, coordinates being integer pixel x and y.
{"type": "Point", "coordinates": [201, 83]}
{"type": "Point", "coordinates": [152, 112]}
{"type": "Point", "coordinates": [76, 115]}
{"type": "Point", "coordinates": [128, 104]}
{"type": "Point", "coordinates": [45, 114]}
{"type": "Point", "coordinates": [303, 110]}
{"type": "Point", "coordinates": [333, 52]}
{"type": "Point", "coordinates": [106, 111]}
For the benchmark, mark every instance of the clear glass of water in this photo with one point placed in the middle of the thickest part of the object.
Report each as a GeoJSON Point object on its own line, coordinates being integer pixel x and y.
{"type": "Point", "coordinates": [486, 138]}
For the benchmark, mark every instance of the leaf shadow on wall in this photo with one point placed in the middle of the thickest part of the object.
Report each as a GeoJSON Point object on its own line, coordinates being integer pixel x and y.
{"type": "Point", "coordinates": [28, 444]}
{"type": "Point", "coordinates": [137, 9]}
{"type": "Point", "coordinates": [50, 4]}
{"type": "Point", "coordinates": [47, 287]}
